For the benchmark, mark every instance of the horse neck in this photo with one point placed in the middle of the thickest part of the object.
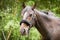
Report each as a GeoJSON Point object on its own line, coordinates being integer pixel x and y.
{"type": "Point", "coordinates": [40, 25]}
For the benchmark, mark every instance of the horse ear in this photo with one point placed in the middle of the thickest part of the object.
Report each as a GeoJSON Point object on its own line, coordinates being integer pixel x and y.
{"type": "Point", "coordinates": [23, 5]}
{"type": "Point", "coordinates": [34, 6]}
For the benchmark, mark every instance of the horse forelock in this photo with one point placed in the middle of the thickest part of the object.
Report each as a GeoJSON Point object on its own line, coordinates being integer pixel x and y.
{"type": "Point", "coordinates": [27, 9]}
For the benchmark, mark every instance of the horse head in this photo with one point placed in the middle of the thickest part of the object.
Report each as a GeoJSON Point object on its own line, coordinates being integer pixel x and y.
{"type": "Point", "coordinates": [28, 19]}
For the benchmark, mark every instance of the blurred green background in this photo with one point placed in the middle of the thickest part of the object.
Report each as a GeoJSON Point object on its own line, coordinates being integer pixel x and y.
{"type": "Point", "coordinates": [10, 17]}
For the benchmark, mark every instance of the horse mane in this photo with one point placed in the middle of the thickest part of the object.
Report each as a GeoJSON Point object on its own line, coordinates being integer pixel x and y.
{"type": "Point", "coordinates": [49, 15]}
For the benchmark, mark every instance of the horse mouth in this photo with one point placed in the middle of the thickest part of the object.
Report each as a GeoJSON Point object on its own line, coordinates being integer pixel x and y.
{"type": "Point", "coordinates": [23, 34]}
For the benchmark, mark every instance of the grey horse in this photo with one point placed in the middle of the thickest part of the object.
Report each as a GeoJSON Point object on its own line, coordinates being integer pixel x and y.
{"type": "Point", "coordinates": [48, 25]}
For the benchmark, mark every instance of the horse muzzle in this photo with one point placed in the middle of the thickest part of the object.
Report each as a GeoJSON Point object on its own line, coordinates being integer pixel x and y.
{"type": "Point", "coordinates": [24, 27]}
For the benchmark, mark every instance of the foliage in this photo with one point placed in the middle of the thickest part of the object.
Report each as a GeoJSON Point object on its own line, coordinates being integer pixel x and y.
{"type": "Point", "coordinates": [10, 17]}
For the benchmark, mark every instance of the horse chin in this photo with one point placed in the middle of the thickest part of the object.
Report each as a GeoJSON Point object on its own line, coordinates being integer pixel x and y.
{"type": "Point", "coordinates": [25, 34]}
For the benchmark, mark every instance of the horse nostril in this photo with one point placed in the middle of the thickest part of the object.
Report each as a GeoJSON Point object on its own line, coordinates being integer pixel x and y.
{"type": "Point", "coordinates": [24, 31]}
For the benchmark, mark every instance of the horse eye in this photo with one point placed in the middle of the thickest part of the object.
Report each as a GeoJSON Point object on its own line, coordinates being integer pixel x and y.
{"type": "Point", "coordinates": [30, 15]}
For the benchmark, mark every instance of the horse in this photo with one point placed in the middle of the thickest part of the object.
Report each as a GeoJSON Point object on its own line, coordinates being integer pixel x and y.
{"type": "Point", "coordinates": [48, 26]}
